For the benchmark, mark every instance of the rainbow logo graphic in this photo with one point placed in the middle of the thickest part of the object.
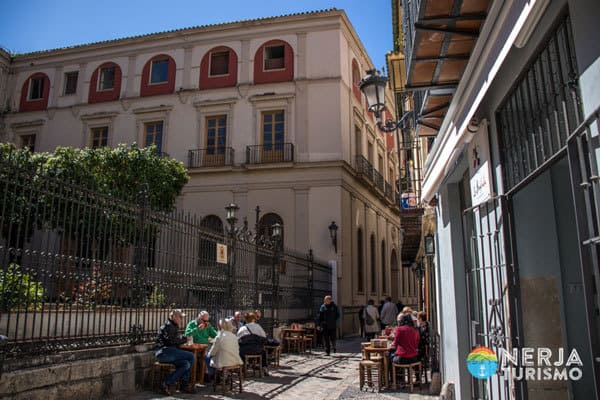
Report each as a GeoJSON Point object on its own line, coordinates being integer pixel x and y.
{"type": "Point", "coordinates": [482, 362]}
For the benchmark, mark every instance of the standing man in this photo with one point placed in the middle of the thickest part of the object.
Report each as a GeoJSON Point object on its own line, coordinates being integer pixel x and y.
{"type": "Point", "coordinates": [169, 352]}
{"type": "Point", "coordinates": [389, 312]}
{"type": "Point", "coordinates": [328, 317]}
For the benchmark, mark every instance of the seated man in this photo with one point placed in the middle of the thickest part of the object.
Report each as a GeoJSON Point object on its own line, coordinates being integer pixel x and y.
{"type": "Point", "coordinates": [202, 332]}
{"type": "Point", "coordinates": [200, 329]}
{"type": "Point", "coordinates": [169, 352]}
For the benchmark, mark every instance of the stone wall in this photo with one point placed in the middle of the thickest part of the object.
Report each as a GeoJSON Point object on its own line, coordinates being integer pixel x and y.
{"type": "Point", "coordinates": [97, 374]}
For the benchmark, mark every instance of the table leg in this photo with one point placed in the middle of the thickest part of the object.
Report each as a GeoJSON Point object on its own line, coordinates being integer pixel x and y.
{"type": "Point", "coordinates": [193, 371]}
{"type": "Point", "coordinates": [386, 380]}
{"type": "Point", "coordinates": [202, 369]}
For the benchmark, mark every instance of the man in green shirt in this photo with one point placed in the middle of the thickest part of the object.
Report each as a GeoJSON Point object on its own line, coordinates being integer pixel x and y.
{"type": "Point", "coordinates": [200, 329]}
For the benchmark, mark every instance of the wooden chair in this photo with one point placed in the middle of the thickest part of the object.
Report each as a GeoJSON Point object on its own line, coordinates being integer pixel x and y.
{"type": "Point", "coordinates": [407, 370]}
{"type": "Point", "coordinates": [273, 354]}
{"type": "Point", "coordinates": [307, 343]}
{"type": "Point", "coordinates": [160, 371]}
{"type": "Point", "coordinates": [253, 361]}
{"type": "Point", "coordinates": [294, 341]}
{"type": "Point", "coordinates": [370, 374]}
{"type": "Point", "coordinates": [362, 346]}
{"type": "Point", "coordinates": [233, 373]}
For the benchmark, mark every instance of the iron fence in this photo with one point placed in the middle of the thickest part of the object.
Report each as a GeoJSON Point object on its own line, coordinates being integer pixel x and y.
{"type": "Point", "coordinates": [82, 269]}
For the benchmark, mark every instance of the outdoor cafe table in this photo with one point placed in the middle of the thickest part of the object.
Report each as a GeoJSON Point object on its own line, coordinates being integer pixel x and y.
{"type": "Point", "coordinates": [199, 350]}
{"type": "Point", "coordinates": [289, 332]}
{"type": "Point", "coordinates": [383, 352]}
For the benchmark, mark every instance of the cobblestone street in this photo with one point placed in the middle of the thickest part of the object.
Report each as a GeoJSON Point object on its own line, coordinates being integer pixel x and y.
{"type": "Point", "coordinates": [304, 377]}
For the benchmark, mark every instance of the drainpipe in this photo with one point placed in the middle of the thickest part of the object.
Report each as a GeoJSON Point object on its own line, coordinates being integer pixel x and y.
{"type": "Point", "coordinates": [3, 345]}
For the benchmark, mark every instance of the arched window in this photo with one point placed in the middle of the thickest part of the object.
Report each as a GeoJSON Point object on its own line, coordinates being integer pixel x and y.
{"type": "Point", "coordinates": [105, 84]}
{"type": "Point", "coordinates": [274, 62]}
{"type": "Point", "coordinates": [373, 265]}
{"type": "Point", "coordinates": [384, 280]}
{"type": "Point", "coordinates": [212, 223]}
{"type": "Point", "coordinates": [218, 68]}
{"type": "Point", "coordinates": [158, 76]}
{"type": "Point", "coordinates": [356, 80]}
{"type": "Point", "coordinates": [35, 93]}
{"type": "Point", "coordinates": [266, 223]}
{"type": "Point", "coordinates": [208, 241]}
{"type": "Point", "coordinates": [360, 260]}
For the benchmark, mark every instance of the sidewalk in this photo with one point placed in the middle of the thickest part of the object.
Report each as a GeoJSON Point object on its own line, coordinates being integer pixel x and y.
{"type": "Point", "coordinates": [303, 377]}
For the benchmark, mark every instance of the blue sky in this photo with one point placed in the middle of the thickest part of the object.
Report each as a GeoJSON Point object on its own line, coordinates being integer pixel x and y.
{"type": "Point", "coordinates": [32, 25]}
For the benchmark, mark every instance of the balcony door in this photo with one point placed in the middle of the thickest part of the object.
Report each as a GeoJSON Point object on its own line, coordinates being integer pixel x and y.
{"type": "Point", "coordinates": [273, 129]}
{"type": "Point", "coordinates": [216, 140]}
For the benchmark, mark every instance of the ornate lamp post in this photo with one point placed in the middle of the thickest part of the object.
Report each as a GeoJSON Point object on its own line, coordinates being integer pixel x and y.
{"type": "Point", "coordinates": [276, 237]}
{"type": "Point", "coordinates": [232, 220]}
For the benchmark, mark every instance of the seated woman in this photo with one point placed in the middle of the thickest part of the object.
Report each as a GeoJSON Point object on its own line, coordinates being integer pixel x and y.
{"type": "Point", "coordinates": [406, 342]}
{"type": "Point", "coordinates": [255, 340]}
{"type": "Point", "coordinates": [225, 351]}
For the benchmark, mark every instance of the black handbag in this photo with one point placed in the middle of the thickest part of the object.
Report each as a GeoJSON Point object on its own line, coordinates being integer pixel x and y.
{"type": "Point", "coordinates": [251, 344]}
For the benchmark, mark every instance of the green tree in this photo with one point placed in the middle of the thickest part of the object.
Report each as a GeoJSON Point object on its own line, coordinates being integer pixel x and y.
{"type": "Point", "coordinates": [84, 193]}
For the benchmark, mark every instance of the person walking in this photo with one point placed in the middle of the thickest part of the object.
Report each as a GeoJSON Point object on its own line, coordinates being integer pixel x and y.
{"type": "Point", "coordinates": [371, 320]}
{"type": "Point", "coordinates": [389, 311]}
{"type": "Point", "coordinates": [361, 320]}
{"type": "Point", "coordinates": [168, 352]}
{"type": "Point", "coordinates": [327, 318]}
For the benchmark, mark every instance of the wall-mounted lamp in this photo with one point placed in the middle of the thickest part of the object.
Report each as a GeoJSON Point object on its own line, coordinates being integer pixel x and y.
{"type": "Point", "coordinates": [373, 86]}
{"type": "Point", "coordinates": [429, 245]}
{"type": "Point", "coordinates": [333, 234]}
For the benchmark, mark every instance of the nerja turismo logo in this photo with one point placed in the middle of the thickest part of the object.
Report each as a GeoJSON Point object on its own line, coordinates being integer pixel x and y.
{"type": "Point", "coordinates": [527, 363]}
{"type": "Point", "coordinates": [482, 362]}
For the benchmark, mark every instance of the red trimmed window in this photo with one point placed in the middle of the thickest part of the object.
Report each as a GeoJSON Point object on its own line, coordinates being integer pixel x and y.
{"type": "Point", "coordinates": [158, 76]}
{"type": "Point", "coordinates": [218, 68]}
{"type": "Point", "coordinates": [274, 62]}
{"type": "Point", "coordinates": [356, 80]}
{"type": "Point", "coordinates": [35, 93]}
{"type": "Point", "coordinates": [105, 84]}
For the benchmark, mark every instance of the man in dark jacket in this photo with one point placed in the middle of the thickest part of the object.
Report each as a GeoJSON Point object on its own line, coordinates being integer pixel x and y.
{"type": "Point", "coordinates": [169, 352]}
{"type": "Point", "coordinates": [328, 317]}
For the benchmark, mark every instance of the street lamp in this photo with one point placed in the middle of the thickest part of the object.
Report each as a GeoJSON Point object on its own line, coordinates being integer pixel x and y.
{"type": "Point", "coordinates": [276, 236]}
{"type": "Point", "coordinates": [231, 218]}
{"type": "Point", "coordinates": [333, 234]}
{"type": "Point", "coordinates": [373, 86]}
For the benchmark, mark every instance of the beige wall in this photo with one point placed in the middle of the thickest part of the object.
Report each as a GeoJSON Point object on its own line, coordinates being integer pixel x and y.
{"type": "Point", "coordinates": [321, 114]}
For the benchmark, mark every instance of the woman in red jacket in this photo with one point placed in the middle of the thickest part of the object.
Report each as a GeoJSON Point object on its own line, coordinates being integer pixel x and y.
{"type": "Point", "coordinates": [406, 341]}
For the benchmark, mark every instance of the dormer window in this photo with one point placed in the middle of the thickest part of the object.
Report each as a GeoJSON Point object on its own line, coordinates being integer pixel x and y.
{"type": "Point", "coordinates": [107, 78]}
{"type": "Point", "coordinates": [219, 63]}
{"type": "Point", "coordinates": [159, 72]}
{"type": "Point", "coordinates": [274, 57]}
{"type": "Point", "coordinates": [36, 88]}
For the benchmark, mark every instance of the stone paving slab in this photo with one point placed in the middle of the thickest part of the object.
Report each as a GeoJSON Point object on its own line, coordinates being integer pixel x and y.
{"type": "Point", "coordinates": [303, 377]}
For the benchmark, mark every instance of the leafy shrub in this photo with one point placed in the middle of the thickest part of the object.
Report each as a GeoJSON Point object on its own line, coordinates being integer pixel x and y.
{"type": "Point", "coordinates": [19, 290]}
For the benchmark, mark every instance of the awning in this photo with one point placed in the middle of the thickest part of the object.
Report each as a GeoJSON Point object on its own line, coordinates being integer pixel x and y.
{"type": "Point", "coordinates": [443, 34]}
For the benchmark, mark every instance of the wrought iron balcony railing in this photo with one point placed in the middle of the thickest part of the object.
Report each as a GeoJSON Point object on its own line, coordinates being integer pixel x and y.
{"type": "Point", "coordinates": [270, 153]}
{"type": "Point", "coordinates": [378, 180]}
{"type": "Point", "coordinates": [364, 168]}
{"type": "Point", "coordinates": [214, 157]}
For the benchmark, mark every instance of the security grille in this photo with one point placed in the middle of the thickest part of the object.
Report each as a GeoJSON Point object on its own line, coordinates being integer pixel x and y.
{"type": "Point", "coordinates": [542, 109]}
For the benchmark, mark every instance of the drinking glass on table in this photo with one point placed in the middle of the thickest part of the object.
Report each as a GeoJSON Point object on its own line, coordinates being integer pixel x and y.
{"type": "Point", "coordinates": [190, 340]}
